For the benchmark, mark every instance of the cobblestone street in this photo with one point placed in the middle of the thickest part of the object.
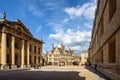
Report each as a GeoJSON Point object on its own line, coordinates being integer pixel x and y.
{"type": "Point", "coordinates": [52, 73]}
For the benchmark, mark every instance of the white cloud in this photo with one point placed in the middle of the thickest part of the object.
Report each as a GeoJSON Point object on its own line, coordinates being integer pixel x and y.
{"type": "Point", "coordinates": [31, 7]}
{"type": "Point", "coordinates": [74, 12]}
{"type": "Point", "coordinates": [65, 20]}
{"type": "Point", "coordinates": [89, 25]}
{"type": "Point", "coordinates": [38, 29]}
{"type": "Point", "coordinates": [74, 39]}
{"type": "Point", "coordinates": [89, 11]}
{"type": "Point", "coordinates": [56, 27]}
{"type": "Point", "coordinates": [34, 10]}
{"type": "Point", "coordinates": [44, 51]}
{"type": "Point", "coordinates": [86, 10]}
{"type": "Point", "coordinates": [49, 3]}
{"type": "Point", "coordinates": [37, 13]}
{"type": "Point", "coordinates": [0, 15]}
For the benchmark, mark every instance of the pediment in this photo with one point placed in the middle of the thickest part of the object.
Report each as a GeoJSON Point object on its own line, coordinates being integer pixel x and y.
{"type": "Point", "coordinates": [17, 24]}
{"type": "Point", "coordinates": [20, 26]}
{"type": "Point", "coordinates": [56, 50]}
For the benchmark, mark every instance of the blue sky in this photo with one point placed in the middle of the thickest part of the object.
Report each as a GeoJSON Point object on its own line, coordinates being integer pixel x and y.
{"type": "Point", "coordinates": [55, 21]}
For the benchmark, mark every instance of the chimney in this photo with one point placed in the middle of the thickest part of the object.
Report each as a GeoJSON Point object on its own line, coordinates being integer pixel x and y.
{"type": "Point", "coordinates": [52, 46]}
{"type": "Point", "coordinates": [62, 46]}
{"type": "Point", "coordinates": [69, 49]}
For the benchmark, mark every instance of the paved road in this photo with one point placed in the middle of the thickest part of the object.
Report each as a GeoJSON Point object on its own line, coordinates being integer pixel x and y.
{"type": "Point", "coordinates": [51, 73]}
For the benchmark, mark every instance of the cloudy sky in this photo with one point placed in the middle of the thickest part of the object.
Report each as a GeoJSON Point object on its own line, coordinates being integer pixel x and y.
{"type": "Point", "coordinates": [55, 21]}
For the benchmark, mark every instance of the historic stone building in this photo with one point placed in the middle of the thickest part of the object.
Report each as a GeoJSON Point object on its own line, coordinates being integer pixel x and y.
{"type": "Point", "coordinates": [61, 56]}
{"type": "Point", "coordinates": [18, 47]}
{"type": "Point", "coordinates": [84, 57]}
{"type": "Point", "coordinates": [104, 48]}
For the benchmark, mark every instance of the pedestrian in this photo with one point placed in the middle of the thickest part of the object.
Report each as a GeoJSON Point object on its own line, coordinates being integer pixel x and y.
{"type": "Point", "coordinates": [95, 66]}
{"type": "Point", "coordinates": [34, 66]}
{"type": "Point", "coordinates": [89, 64]}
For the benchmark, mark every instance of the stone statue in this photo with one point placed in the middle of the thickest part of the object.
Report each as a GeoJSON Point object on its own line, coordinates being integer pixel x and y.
{"type": "Point", "coordinates": [4, 15]}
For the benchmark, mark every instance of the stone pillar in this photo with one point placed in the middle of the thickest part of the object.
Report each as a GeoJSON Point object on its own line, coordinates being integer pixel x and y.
{"type": "Point", "coordinates": [13, 66]}
{"type": "Point", "coordinates": [28, 56]}
{"type": "Point", "coordinates": [37, 54]}
{"type": "Point", "coordinates": [3, 52]}
{"type": "Point", "coordinates": [41, 59]}
{"type": "Point", "coordinates": [22, 53]}
{"type": "Point", "coordinates": [41, 53]}
{"type": "Point", "coordinates": [118, 48]}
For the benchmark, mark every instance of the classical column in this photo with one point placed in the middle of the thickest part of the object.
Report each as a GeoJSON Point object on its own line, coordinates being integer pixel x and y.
{"type": "Point", "coordinates": [13, 49]}
{"type": "Point", "coordinates": [41, 59]}
{"type": "Point", "coordinates": [41, 53]}
{"type": "Point", "coordinates": [3, 51]}
{"type": "Point", "coordinates": [13, 52]}
{"type": "Point", "coordinates": [28, 55]}
{"type": "Point", "coordinates": [37, 54]}
{"type": "Point", "coordinates": [22, 54]}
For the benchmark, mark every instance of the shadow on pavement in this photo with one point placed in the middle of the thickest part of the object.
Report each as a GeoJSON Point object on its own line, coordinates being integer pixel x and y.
{"type": "Point", "coordinates": [43, 75]}
{"type": "Point", "coordinates": [98, 73]}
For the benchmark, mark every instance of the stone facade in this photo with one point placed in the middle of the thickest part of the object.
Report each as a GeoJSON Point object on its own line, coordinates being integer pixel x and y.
{"type": "Point", "coordinates": [61, 56]}
{"type": "Point", "coordinates": [18, 48]}
{"type": "Point", "coordinates": [84, 57]}
{"type": "Point", "coordinates": [104, 49]}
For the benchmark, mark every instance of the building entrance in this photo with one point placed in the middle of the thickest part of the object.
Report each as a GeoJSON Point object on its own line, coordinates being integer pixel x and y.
{"type": "Point", "coordinates": [62, 63]}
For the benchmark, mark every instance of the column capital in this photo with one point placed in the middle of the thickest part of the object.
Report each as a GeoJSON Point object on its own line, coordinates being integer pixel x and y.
{"type": "Point", "coordinates": [22, 41]}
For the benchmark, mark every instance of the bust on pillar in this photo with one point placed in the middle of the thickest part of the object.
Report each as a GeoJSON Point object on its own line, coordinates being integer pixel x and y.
{"type": "Point", "coordinates": [4, 15]}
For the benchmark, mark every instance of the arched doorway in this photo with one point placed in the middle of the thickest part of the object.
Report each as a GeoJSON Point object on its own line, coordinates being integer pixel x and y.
{"type": "Point", "coordinates": [75, 62]}
{"type": "Point", "coordinates": [62, 63]}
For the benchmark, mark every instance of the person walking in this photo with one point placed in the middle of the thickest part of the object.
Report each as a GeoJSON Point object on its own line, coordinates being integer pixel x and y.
{"type": "Point", "coordinates": [95, 66]}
